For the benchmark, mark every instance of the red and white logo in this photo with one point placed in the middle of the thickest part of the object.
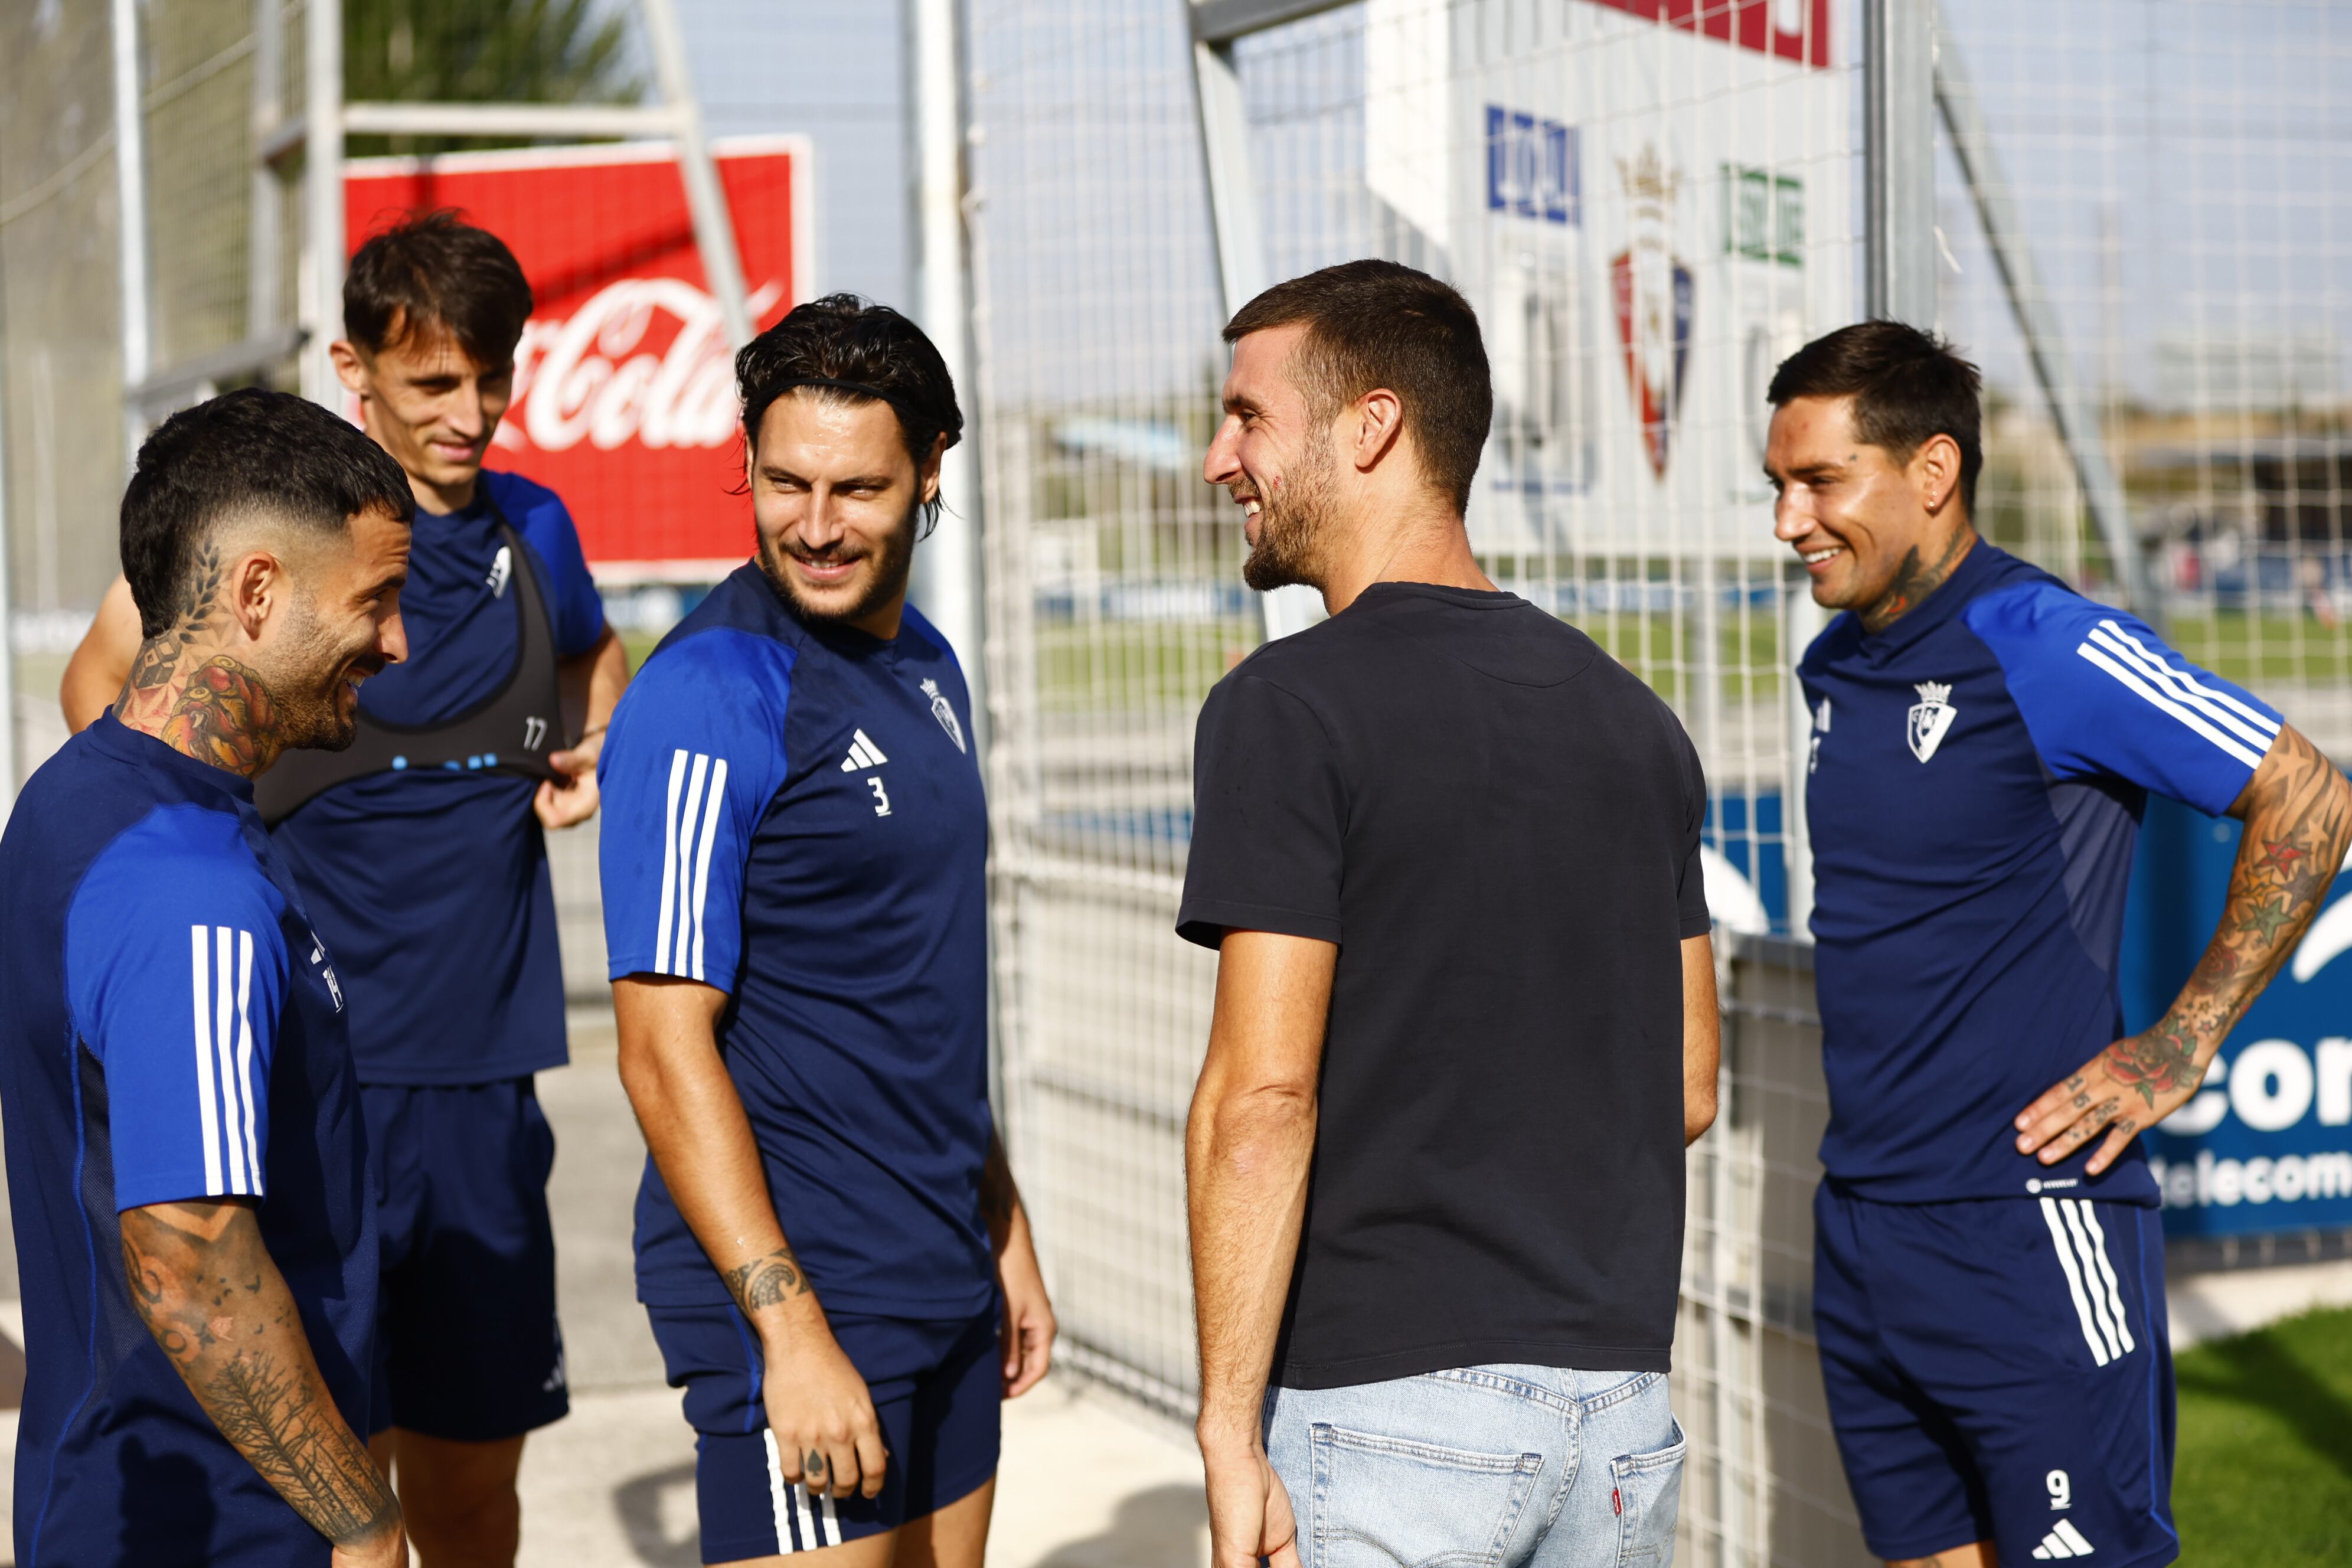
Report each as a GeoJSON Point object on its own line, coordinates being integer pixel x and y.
{"type": "Point", "coordinates": [625, 391]}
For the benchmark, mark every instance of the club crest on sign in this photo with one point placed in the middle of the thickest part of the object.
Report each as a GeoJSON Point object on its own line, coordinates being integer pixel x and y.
{"type": "Point", "coordinates": [1931, 717]}
{"type": "Point", "coordinates": [1653, 291]}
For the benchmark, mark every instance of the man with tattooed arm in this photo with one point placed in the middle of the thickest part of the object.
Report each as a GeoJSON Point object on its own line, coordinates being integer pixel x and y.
{"type": "Point", "coordinates": [1988, 1268]}
{"type": "Point", "coordinates": [186, 1165]}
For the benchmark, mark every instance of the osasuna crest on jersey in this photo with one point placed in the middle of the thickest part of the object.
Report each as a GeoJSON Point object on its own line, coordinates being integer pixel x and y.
{"type": "Point", "coordinates": [944, 712]}
{"type": "Point", "coordinates": [1931, 717]}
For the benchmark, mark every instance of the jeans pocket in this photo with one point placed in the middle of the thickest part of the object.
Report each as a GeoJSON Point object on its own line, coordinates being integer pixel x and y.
{"type": "Point", "coordinates": [1393, 1502]}
{"type": "Point", "coordinates": [1648, 1498]}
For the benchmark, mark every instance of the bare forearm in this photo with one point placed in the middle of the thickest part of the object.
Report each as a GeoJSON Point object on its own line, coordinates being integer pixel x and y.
{"type": "Point", "coordinates": [702, 1144]}
{"type": "Point", "coordinates": [1702, 1037]}
{"type": "Point", "coordinates": [1247, 1156]}
{"type": "Point", "coordinates": [593, 682]}
{"type": "Point", "coordinates": [2298, 823]}
{"type": "Point", "coordinates": [205, 1286]}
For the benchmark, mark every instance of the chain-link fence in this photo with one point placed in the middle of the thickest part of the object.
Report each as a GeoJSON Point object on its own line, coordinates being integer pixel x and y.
{"type": "Point", "coordinates": [2138, 205]}
{"type": "Point", "coordinates": [2140, 210]}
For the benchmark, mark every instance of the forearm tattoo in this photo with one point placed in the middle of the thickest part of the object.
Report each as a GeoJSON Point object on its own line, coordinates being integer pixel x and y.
{"type": "Point", "coordinates": [766, 1280]}
{"type": "Point", "coordinates": [2297, 827]}
{"type": "Point", "coordinates": [200, 1279]}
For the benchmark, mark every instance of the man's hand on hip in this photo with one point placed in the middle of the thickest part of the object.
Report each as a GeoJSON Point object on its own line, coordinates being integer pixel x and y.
{"type": "Point", "coordinates": [2131, 1086]}
{"type": "Point", "coordinates": [1249, 1510]}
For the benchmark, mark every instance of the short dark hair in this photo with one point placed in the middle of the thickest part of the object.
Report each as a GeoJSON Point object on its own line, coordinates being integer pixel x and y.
{"type": "Point", "coordinates": [1906, 386]}
{"type": "Point", "coordinates": [848, 350]}
{"type": "Point", "coordinates": [245, 451]}
{"type": "Point", "coordinates": [435, 269]}
{"type": "Point", "coordinates": [1379, 323]}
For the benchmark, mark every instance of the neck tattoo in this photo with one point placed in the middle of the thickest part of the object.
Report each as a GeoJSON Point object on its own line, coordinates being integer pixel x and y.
{"type": "Point", "coordinates": [206, 705]}
{"type": "Point", "coordinates": [1915, 579]}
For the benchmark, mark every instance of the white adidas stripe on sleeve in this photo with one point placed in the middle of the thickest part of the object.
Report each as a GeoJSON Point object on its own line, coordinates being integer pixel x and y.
{"type": "Point", "coordinates": [245, 1061]}
{"type": "Point", "coordinates": [678, 766]}
{"type": "Point", "coordinates": [220, 978]}
{"type": "Point", "coordinates": [698, 790]}
{"type": "Point", "coordinates": [713, 800]}
{"type": "Point", "coordinates": [2133, 682]}
{"type": "Point", "coordinates": [2218, 707]}
{"type": "Point", "coordinates": [200, 976]}
{"type": "Point", "coordinates": [225, 1052]}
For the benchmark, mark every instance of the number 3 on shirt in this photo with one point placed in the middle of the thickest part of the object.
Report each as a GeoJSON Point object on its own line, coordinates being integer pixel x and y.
{"type": "Point", "coordinates": [881, 796]}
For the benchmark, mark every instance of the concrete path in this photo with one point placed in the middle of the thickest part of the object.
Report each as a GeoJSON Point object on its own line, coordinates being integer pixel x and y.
{"type": "Point", "coordinates": [1087, 1482]}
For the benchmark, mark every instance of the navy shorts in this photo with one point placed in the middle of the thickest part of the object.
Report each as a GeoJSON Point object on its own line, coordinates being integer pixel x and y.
{"type": "Point", "coordinates": [937, 1390]}
{"type": "Point", "coordinates": [1999, 1370]}
{"type": "Point", "coordinates": [467, 1343]}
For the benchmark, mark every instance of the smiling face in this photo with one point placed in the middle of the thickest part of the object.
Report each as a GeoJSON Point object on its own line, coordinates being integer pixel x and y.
{"type": "Point", "coordinates": [1274, 458]}
{"type": "Point", "coordinates": [431, 405]}
{"type": "Point", "coordinates": [836, 498]}
{"type": "Point", "coordinates": [1871, 529]}
{"type": "Point", "coordinates": [340, 624]}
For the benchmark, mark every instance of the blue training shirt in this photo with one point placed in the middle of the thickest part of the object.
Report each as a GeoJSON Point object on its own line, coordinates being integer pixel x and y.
{"type": "Point", "coordinates": [792, 814]}
{"type": "Point", "coordinates": [170, 1030]}
{"type": "Point", "coordinates": [432, 887]}
{"type": "Point", "coordinates": [1974, 792]}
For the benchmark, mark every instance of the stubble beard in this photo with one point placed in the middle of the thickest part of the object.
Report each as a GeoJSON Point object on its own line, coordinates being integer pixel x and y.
{"type": "Point", "coordinates": [1290, 524]}
{"type": "Point", "coordinates": [306, 688]}
{"type": "Point", "coordinates": [887, 579]}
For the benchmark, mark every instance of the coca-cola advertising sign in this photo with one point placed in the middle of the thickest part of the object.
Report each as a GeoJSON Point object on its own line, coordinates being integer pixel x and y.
{"type": "Point", "coordinates": [624, 393]}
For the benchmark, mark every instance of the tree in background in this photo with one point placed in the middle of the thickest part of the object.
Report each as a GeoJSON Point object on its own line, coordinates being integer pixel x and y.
{"type": "Point", "coordinates": [483, 51]}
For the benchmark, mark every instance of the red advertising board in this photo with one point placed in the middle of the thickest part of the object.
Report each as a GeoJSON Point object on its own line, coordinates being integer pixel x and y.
{"type": "Point", "coordinates": [625, 394]}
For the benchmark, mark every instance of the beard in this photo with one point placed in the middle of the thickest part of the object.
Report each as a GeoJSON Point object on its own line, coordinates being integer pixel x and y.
{"type": "Point", "coordinates": [1290, 523]}
{"type": "Point", "coordinates": [306, 689]}
{"type": "Point", "coordinates": [885, 580]}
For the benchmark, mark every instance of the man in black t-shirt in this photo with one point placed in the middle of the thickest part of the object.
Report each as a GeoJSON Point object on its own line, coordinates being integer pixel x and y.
{"type": "Point", "coordinates": [1466, 1019]}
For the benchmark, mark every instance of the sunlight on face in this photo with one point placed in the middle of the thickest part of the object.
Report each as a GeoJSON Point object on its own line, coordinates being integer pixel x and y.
{"type": "Point", "coordinates": [836, 498]}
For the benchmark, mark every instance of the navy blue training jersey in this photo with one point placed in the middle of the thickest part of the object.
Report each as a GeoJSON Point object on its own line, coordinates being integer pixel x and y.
{"type": "Point", "coordinates": [170, 1030]}
{"type": "Point", "coordinates": [792, 814]}
{"type": "Point", "coordinates": [1977, 777]}
{"type": "Point", "coordinates": [432, 887]}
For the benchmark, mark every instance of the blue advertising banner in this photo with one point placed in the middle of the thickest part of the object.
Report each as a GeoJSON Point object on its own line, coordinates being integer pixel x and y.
{"type": "Point", "coordinates": [2266, 1145]}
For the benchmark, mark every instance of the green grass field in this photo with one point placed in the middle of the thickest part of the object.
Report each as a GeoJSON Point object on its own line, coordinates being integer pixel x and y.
{"type": "Point", "coordinates": [2265, 1470]}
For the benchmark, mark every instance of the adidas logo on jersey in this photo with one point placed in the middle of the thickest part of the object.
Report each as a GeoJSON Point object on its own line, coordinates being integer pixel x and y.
{"type": "Point", "coordinates": [2066, 1541]}
{"type": "Point", "coordinates": [863, 753]}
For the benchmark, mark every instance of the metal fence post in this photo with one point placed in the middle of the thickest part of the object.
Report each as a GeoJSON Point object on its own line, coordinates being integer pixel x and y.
{"type": "Point", "coordinates": [322, 172]}
{"type": "Point", "coordinates": [130, 237]}
{"type": "Point", "coordinates": [1898, 77]}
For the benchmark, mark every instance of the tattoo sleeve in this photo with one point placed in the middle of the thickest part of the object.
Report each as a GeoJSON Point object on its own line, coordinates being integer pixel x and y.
{"type": "Point", "coordinates": [2298, 817]}
{"type": "Point", "coordinates": [766, 1280]}
{"type": "Point", "coordinates": [203, 1284]}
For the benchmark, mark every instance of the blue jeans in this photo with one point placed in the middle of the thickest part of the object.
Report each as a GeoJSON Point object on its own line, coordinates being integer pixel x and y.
{"type": "Point", "coordinates": [1481, 1467]}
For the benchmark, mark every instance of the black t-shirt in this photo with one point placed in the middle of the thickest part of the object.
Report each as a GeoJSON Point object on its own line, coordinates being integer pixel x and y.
{"type": "Point", "coordinates": [1499, 827]}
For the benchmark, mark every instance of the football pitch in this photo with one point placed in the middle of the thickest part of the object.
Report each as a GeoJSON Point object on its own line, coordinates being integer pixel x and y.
{"type": "Point", "coordinates": [2265, 1469]}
